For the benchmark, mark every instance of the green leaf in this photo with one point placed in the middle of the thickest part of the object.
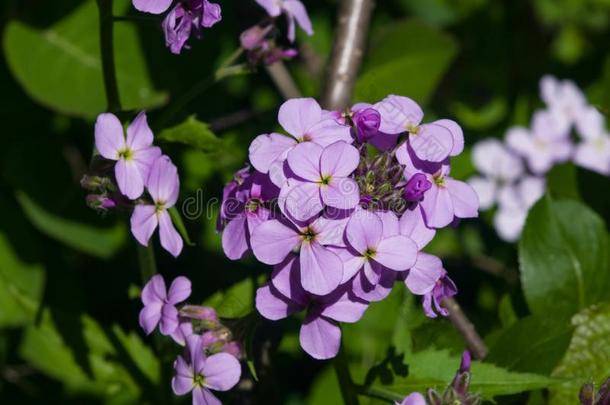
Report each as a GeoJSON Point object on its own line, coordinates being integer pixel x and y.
{"type": "Point", "coordinates": [235, 302]}
{"type": "Point", "coordinates": [179, 223]}
{"type": "Point", "coordinates": [564, 260]}
{"type": "Point", "coordinates": [88, 358]}
{"type": "Point", "coordinates": [533, 344]}
{"type": "Point", "coordinates": [102, 243]}
{"type": "Point", "coordinates": [561, 182]}
{"type": "Point", "coordinates": [436, 369]}
{"type": "Point", "coordinates": [406, 58]}
{"type": "Point", "coordinates": [483, 118]}
{"type": "Point", "coordinates": [60, 67]}
{"type": "Point", "coordinates": [21, 287]}
{"type": "Point", "coordinates": [192, 132]}
{"type": "Point", "coordinates": [587, 358]}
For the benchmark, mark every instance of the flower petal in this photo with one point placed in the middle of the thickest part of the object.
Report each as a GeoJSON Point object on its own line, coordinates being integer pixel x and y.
{"type": "Point", "coordinates": [128, 178]}
{"type": "Point", "coordinates": [320, 337]}
{"type": "Point", "coordinates": [464, 199]}
{"type": "Point", "coordinates": [304, 160]}
{"type": "Point", "coordinates": [321, 269]}
{"type": "Point", "coordinates": [234, 238]}
{"type": "Point", "coordinates": [339, 159]}
{"type": "Point", "coordinates": [152, 6]}
{"type": "Point", "coordinates": [396, 253]}
{"type": "Point", "coordinates": [342, 193]}
{"type": "Point", "coordinates": [150, 316]}
{"type": "Point", "coordinates": [139, 134]}
{"type": "Point", "coordinates": [169, 320]}
{"type": "Point", "coordinates": [347, 308]}
{"type": "Point", "coordinates": [154, 290]}
{"type": "Point", "coordinates": [272, 241]}
{"type": "Point", "coordinates": [272, 305]}
{"type": "Point", "coordinates": [298, 115]}
{"type": "Point", "coordinates": [222, 371]}
{"type": "Point", "coordinates": [437, 207]}
{"type": "Point", "coordinates": [179, 291]}
{"type": "Point", "coordinates": [364, 231]}
{"type": "Point", "coordinates": [144, 221]}
{"type": "Point", "coordinates": [412, 224]}
{"type": "Point", "coordinates": [170, 238]}
{"type": "Point", "coordinates": [297, 9]}
{"type": "Point", "coordinates": [163, 182]}
{"type": "Point", "coordinates": [303, 201]}
{"type": "Point", "coordinates": [432, 143]}
{"type": "Point", "coordinates": [109, 138]}
{"type": "Point", "coordinates": [203, 396]}
{"type": "Point", "coordinates": [266, 149]}
{"type": "Point", "coordinates": [397, 113]}
{"type": "Point", "coordinates": [422, 277]}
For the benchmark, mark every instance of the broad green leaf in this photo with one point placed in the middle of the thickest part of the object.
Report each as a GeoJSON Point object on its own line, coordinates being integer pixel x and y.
{"type": "Point", "coordinates": [561, 182]}
{"type": "Point", "coordinates": [102, 243]}
{"type": "Point", "coordinates": [435, 369]}
{"type": "Point", "coordinates": [192, 132]}
{"type": "Point", "coordinates": [564, 259]}
{"type": "Point", "coordinates": [483, 118]}
{"type": "Point", "coordinates": [235, 302]}
{"type": "Point", "coordinates": [60, 67]}
{"type": "Point", "coordinates": [533, 344]}
{"type": "Point", "coordinates": [325, 389]}
{"type": "Point", "coordinates": [587, 358]}
{"type": "Point", "coordinates": [88, 358]}
{"type": "Point", "coordinates": [21, 286]}
{"type": "Point", "coordinates": [406, 58]}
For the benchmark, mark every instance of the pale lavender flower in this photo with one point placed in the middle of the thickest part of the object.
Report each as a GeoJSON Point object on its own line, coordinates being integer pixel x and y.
{"type": "Point", "coordinates": [444, 288]}
{"type": "Point", "coordinates": [413, 399]}
{"type": "Point", "coordinates": [542, 146]}
{"type": "Point", "coordinates": [593, 152]}
{"type": "Point", "coordinates": [160, 304]}
{"type": "Point", "coordinates": [498, 167]}
{"type": "Point", "coordinates": [186, 18]}
{"type": "Point", "coordinates": [294, 10]}
{"type": "Point", "coordinates": [320, 334]}
{"type": "Point", "coordinates": [448, 198]}
{"type": "Point", "coordinates": [200, 374]}
{"type": "Point", "coordinates": [564, 100]}
{"type": "Point", "coordinates": [431, 142]}
{"type": "Point", "coordinates": [321, 269]}
{"type": "Point", "coordinates": [134, 154]}
{"type": "Point", "coordinates": [321, 178]}
{"type": "Point", "coordinates": [163, 185]}
{"type": "Point", "coordinates": [152, 6]}
{"type": "Point", "coordinates": [305, 121]}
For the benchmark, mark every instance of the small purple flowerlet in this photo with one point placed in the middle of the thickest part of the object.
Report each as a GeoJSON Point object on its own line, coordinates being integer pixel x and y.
{"type": "Point", "coordinates": [444, 288]}
{"type": "Point", "coordinates": [152, 6]}
{"type": "Point", "coordinates": [200, 374]}
{"type": "Point", "coordinates": [413, 399]}
{"type": "Point", "coordinates": [295, 12]}
{"type": "Point", "coordinates": [163, 186]}
{"type": "Point", "coordinates": [134, 155]}
{"type": "Point", "coordinates": [188, 17]}
{"type": "Point", "coordinates": [160, 304]}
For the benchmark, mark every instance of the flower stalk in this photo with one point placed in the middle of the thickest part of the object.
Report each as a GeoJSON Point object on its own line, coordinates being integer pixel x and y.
{"type": "Point", "coordinates": [107, 54]}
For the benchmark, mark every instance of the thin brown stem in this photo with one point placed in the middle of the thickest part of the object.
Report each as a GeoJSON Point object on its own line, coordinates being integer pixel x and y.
{"type": "Point", "coordinates": [461, 322]}
{"type": "Point", "coordinates": [283, 80]}
{"type": "Point", "coordinates": [350, 41]}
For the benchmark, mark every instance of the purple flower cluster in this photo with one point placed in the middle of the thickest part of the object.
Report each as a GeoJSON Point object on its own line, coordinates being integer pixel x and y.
{"type": "Point", "coordinates": [342, 206]}
{"type": "Point", "coordinates": [186, 19]}
{"type": "Point", "coordinates": [511, 173]}
{"type": "Point", "coordinates": [210, 359]}
{"type": "Point", "coordinates": [139, 166]}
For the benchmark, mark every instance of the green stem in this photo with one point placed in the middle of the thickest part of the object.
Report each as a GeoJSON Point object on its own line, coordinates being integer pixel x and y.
{"type": "Point", "coordinates": [378, 393]}
{"type": "Point", "coordinates": [224, 70]}
{"type": "Point", "coordinates": [146, 260]}
{"type": "Point", "coordinates": [350, 397]}
{"type": "Point", "coordinates": [107, 54]}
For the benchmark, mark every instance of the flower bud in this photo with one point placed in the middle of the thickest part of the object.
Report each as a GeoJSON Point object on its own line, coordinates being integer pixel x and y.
{"type": "Point", "coordinates": [207, 315]}
{"type": "Point", "coordinates": [433, 397]}
{"type": "Point", "coordinates": [417, 185]}
{"type": "Point", "coordinates": [367, 123]}
{"type": "Point", "coordinates": [100, 202]}
{"type": "Point", "coordinates": [253, 37]}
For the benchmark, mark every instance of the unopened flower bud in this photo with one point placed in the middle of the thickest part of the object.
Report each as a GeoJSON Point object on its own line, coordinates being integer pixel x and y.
{"type": "Point", "coordinates": [465, 363]}
{"type": "Point", "coordinates": [433, 397]}
{"type": "Point", "coordinates": [100, 202]}
{"type": "Point", "coordinates": [417, 185]}
{"type": "Point", "coordinates": [200, 313]}
{"type": "Point", "coordinates": [233, 348]}
{"type": "Point", "coordinates": [253, 37]}
{"type": "Point", "coordinates": [94, 182]}
{"type": "Point", "coordinates": [367, 122]}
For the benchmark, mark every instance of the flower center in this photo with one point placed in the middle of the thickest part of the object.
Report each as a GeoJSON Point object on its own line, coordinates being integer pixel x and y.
{"type": "Point", "coordinates": [439, 180]}
{"type": "Point", "coordinates": [325, 180]}
{"type": "Point", "coordinates": [309, 235]}
{"type": "Point", "coordinates": [126, 154]}
{"type": "Point", "coordinates": [412, 129]}
{"type": "Point", "coordinates": [198, 380]}
{"type": "Point", "coordinates": [159, 206]}
{"type": "Point", "coordinates": [253, 204]}
{"type": "Point", "coordinates": [370, 253]}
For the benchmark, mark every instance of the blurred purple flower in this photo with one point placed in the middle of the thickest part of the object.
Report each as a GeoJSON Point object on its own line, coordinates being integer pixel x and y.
{"type": "Point", "coordinates": [152, 6]}
{"type": "Point", "coordinates": [160, 304]}
{"type": "Point", "coordinates": [186, 18]}
{"type": "Point", "coordinates": [413, 399]}
{"type": "Point", "coordinates": [444, 288]}
{"type": "Point", "coordinates": [295, 12]}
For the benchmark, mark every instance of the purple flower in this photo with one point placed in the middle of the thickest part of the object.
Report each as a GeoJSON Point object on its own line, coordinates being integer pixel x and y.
{"type": "Point", "coordinates": [320, 179]}
{"type": "Point", "coordinates": [199, 375]}
{"type": "Point", "coordinates": [432, 142]}
{"type": "Point", "coordinates": [186, 18]}
{"type": "Point", "coordinates": [229, 209]}
{"type": "Point", "coordinates": [415, 188]}
{"type": "Point", "coordinates": [305, 121]}
{"type": "Point", "coordinates": [134, 155]}
{"type": "Point", "coordinates": [160, 304]}
{"type": "Point", "coordinates": [152, 6]}
{"type": "Point", "coordinates": [544, 145]}
{"type": "Point", "coordinates": [295, 12]}
{"type": "Point", "coordinates": [247, 211]}
{"type": "Point", "coordinates": [321, 269]}
{"type": "Point", "coordinates": [376, 248]}
{"type": "Point", "coordinates": [565, 101]}
{"type": "Point", "coordinates": [447, 198]}
{"type": "Point", "coordinates": [498, 166]}
{"type": "Point", "coordinates": [444, 288]}
{"type": "Point", "coordinates": [593, 152]}
{"type": "Point", "coordinates": [163, 186]}
{"type": "Point", "coordinates": [320, 335]}
{"type": "Point", "coordinates": [367, 121]}
{"type": "Point", "coordinates": [413, 399]}
{"type": "Point", "coordinates": [100, 202]}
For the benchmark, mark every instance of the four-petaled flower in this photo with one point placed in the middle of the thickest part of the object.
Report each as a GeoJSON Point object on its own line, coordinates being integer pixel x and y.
{"type": "Point", "coordinates": [160, 304]}
{"type": "Point", "coordinates": [134, 154]}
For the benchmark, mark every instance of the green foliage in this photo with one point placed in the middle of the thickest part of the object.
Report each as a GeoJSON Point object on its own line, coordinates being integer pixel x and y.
{"type": "Point", "coordinates": [588, 357]}
{"type": "Point", "coordinates": [410, 67]}
{"type": "Point", "coordinates": [564, 258]}
{"type": "Point", "coordinates": [102, 243]}
{"type": "Point", "coordinates": [91, 359]}
{"type": "Point", "coordinates": [71, 80]}
{"type": "Point", "coordinates": [194, 133]}
{"type": "Point", "coordinates": [236, 301]}
{"type": "Point", "coordinates": [562, 182]}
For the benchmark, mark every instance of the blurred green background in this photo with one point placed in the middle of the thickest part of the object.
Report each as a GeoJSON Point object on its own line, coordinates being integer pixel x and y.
{"type": "Point", "coordinates": [69, 276]}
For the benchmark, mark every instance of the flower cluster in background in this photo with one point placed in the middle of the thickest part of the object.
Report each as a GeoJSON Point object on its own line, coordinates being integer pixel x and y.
{"type": "Point", "coordinates": [131, 165]}
{"type": "Point", "coordinates": [210, 359]}
{"type": "Point", "coordinates": [342, 205]}
{"type": "Point", "coordinates": [512, 172]}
